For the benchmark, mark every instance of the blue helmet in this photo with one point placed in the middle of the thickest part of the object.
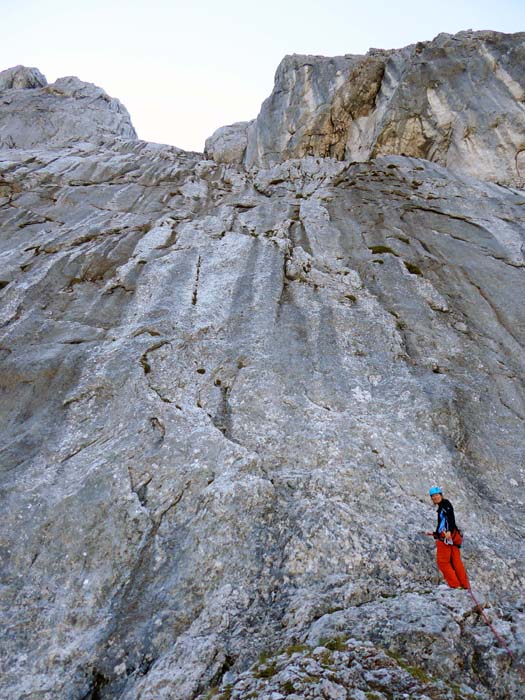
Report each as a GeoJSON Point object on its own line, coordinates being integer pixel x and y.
{"type": "Point", "coordinates": [434, 490]}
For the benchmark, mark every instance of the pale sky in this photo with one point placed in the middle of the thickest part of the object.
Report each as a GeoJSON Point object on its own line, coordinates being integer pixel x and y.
{"type": "Point", "coordinates": [183, 70]}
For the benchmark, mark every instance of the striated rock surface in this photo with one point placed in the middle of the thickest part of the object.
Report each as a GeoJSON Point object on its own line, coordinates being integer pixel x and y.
{"type": "Point", "coordinates": [33, 113]}
{"type": "Point", "coordinates": [225, 393]}
{"type": "Point", "coordinates": [458, 101]}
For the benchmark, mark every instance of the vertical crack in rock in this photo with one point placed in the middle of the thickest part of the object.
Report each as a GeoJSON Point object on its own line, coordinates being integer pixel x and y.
{"type": "Point", "coordinates": [222, 419]}
{"type": "Point", "coordinates": [146, 366]}
{"type": "Point", "coordinates": [196, 283]}
{"type": "Point", "coordinates": [97, 685]}
{"type": "Point", "coordinates": [495, 311]}
{"type": "Point", "coordinates": [284, 294]}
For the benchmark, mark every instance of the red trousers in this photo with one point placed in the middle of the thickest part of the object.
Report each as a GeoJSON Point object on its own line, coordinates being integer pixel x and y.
{"type": "Point", "coordinates": [449, 562]}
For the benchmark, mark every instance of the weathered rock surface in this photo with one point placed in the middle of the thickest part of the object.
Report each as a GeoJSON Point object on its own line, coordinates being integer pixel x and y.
{"type": "Point", "coordinates": [225, 393]}
{"type": "Point", "coordinates": [20, 78]}
{"type": "Point", "coordinates": [228, 144]}
{"type": "Point", "coordinates": [33, 113]}
{"type": "Point", "coordinates": [458, 101]}
{"type": "Point", "coordinates": [335, 665]}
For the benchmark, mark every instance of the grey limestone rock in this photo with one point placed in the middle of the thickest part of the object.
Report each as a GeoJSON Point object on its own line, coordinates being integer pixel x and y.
{"type": "Point", "coordinates": [288, 124]}
{"type": "Point", "coordinates": [225, 393]}
{"type": "Point", "coordinates": [457, 101]}
{"type": "Point", "coordinates": [59, 114]}
{"type": "Point", "coordinates": [228, 144]}
{"type": "Point", "coordinates": [21, 78]}
{"type": "Point", "coordinates": [338, 669]}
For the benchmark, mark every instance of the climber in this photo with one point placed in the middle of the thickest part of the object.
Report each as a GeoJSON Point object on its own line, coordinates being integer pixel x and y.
{"type": "Point", "coordinates": [448, 542]}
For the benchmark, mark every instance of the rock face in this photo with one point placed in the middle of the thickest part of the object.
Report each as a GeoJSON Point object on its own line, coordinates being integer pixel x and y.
{"type": "Point", "coordinates": [33, 113]}
{"type": "Point", "coordinates": [458, 101]}
{"type": "Point", "coordinates": [225, 393]}
{"type": "Point", "coordinates": [228, 144]}
{"type": "Point", "coordinates": [20, 78]}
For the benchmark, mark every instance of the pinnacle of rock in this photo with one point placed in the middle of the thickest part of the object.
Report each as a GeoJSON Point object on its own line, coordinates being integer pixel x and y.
{"type": "Point", "coordinates": [228, 381]}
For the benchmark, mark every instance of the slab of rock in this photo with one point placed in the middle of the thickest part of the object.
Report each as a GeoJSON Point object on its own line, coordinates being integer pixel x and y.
{"type": "Point", "coordinates": [339, 669]}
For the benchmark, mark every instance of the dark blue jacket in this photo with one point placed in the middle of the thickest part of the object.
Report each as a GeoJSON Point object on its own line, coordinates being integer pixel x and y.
{"type": "Point", "coordinates": [446, 521]}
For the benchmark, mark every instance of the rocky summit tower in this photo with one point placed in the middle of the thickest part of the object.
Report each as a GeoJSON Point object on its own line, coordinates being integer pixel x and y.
{"type": "Point", "coordinates": [229, 378]}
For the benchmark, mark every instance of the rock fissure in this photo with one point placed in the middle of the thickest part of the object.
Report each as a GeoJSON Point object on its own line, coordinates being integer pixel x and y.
{"type": "Point", "coordinates": [144, 360]}
{"type": "Point", "coordinates": [196, 283]}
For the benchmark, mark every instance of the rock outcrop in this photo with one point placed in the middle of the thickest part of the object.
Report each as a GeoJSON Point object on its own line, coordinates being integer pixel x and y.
{"type": "Point", "coordinates": [458, 101]}
{"type": "Point", "coordinates": [228, 144]}
{"type": "Point", "coordinates": [21, 78]}
{"type": "Point", "coordinates": [225, 393]}
{"type": "Point", "coordinates": [33, 113]}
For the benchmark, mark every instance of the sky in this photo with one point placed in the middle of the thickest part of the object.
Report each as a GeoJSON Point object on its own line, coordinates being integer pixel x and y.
{"type": "Point", "coordinates": [183, 69]}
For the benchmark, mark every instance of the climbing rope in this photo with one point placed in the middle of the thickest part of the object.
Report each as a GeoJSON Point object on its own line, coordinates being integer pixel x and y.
{"type": "Point", "coordinates": [498, 636]}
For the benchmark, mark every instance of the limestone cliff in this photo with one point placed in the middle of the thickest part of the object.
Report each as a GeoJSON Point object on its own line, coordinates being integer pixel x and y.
{"type": "Point", "coordinates": [458, 101]}
{"type": "Point", "coordinates": [227, 389]}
